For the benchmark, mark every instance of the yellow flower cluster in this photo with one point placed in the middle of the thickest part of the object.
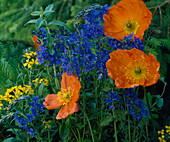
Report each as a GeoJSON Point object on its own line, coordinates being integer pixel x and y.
{"type": "Point", "coordinates": [14, 93]}
{"type": "Point", "coordinates": [40, 81]}
{"type": "Point", "coordinates": [162, 132]}
{"type": "Point", "coordinates": [1, 99]}
{"type": "Point", "coordinates": [31, 59]}
{"type": "Point", "coordinates": [168, 130]}
{"type": "Point", "coordinates": [46, 124]}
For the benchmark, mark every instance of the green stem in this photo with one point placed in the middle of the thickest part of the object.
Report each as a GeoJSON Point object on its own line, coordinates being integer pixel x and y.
{"type": "Point", "coordinates": [141, 133]}
{"type": "Point", "coordinates": [17, 134]}
{"type": "Point", "coordinates": [134, 130]}
{"type": "Point", "coordinates": [129, 127]}
{"type": "Point", "coordinates": [49, 139]}
{"type": "Point", "coordinates": [147, 132]}
{"type": "Point", "coordinates": [115, 124]}
{"type": "Point", "coordinates": [49, 76]}
{"type": "Point", "coordinates": [147, 100]}
{"type": "Point", "coordinates": [75, 135]}
{"type": "Point", "coordinates": [88, 123]}
{"type": "Point", "coordinates": [28, 139]}
{"type": "Point", "coordinates": [56, 81]}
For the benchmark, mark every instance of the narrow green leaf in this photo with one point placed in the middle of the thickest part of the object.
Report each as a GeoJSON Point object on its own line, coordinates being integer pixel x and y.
{"type": "Point", "coordinates": [31, 21]}
{"type": "Point", "coordinates": [39, 23]}
{"type": "Point", "coordinates": [89, 94]}
{"type": "Point", "coordinates": [40, 89]}
{"type": "Point", "coordinates": [59, 23]}
{"type": "Point", "coordinates": [11, 139]}
{"type": "Point", "coordinates": [36, 13]}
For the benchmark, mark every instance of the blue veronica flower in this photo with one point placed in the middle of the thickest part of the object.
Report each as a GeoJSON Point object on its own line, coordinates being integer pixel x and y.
{"type": "Point", "coordinates": [35, 109]}
{"type": "Point", "coordinates": [137, 108]}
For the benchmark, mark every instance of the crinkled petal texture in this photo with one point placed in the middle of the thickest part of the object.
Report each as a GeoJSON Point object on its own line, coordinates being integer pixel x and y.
{"type": "Point", "coordinates": [130, 68]}
{"type": "Point", "coordinates": [53, 101]}
{"type": "Point", "coordinates": [36, 45]}
{"type": "Point", "coordinates": [67, 109]}
{"type": "Point", "coordinates": [72, 82]}
{"type": "Point", "coordinates": [126, 10]}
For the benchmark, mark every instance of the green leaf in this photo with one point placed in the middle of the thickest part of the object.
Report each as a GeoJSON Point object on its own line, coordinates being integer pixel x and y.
{"type": "Point", "coordinates": [149, 99]}
{"type": "Point", "coordinates": [59, 23]}
{"type": "Point", "coordinates": [163, 80]}
{"type": "Point", "coordinates": [31, 21]}
{"type": "Point", "coordinates": [36, 13]}
{"type": "Point", "coordinates": [11, 139]}
{"type": "Point", "coordinates": [155, 116]}
{"type": "Point", "coordinates": [40, 89]}
{"type": "Point", "coordinates": [51, 51]}
{"type": "Point", "coordinates": [107, 120]}
{"type": "Point", "coordinates": [89, 94]}
{"type": "Point", "coordinates": [63, 131]}
{"type": "Point", "coordinates": [159, 102]}
{"type": "Point", "coordinates": [39, 22]}
{"type": "Point", "coordinates": [48, 8]}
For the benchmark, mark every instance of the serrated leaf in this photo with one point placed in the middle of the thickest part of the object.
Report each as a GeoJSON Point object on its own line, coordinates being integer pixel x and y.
{"type": "Point", "coordinates": [31, 21]}
{"type": "Point", "coordinates": [107, 120]}
{"type": "Point", "coordinates": [40, 89]}
{"type": "Point", "coordinates": [59, 23]}
{"type": "Point", "coordinates": [39, 23]}
{"type": "Point", "coordinates": [159, 102]}
{"type": "Point", "coordinates": [36, 13]}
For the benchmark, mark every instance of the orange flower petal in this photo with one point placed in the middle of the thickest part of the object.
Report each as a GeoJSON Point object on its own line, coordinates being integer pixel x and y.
{"type": "Point", "coordinates": [36, 45]}
{"type": "Point", "coordinates": [130, 68]}
{"type": "Point", "coordinates": [126, 10]}
{"type": "Point", "coordinates": [52, 102]}
{"type": "Point", "coordinates": [71, 81]}
{"type": "Point", "coordinates": [67, 109]}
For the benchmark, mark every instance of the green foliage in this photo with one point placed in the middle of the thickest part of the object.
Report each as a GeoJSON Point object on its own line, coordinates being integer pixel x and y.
{"type": "Point", "coordinates": [10, 57]}
{"type": "Point", "coordinates": [161, 49]}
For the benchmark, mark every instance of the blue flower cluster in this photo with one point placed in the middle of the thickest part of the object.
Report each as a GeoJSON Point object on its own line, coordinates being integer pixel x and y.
{"type": "Point", "coordinates": [85, 49]}
{"type": "Point", "coordinates": [137, 108]}
{"type": "Point", "coordinates": [35, 109]}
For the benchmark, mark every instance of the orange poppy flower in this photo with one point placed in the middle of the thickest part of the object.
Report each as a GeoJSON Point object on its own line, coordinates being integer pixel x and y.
{"type": "Point", "coordinates": [36, 45]}
{"type": "Point", "coordinates": [128, 16]}
{"type": "Point", "coordinates": [130, 68]}
{"type": "Point", "coordinates": [67, 97]}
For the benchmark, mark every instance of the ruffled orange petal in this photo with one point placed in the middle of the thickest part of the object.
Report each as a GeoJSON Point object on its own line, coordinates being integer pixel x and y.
{"type": "Point", "coordinates": [123, 67]}
{"type": "Point", "coordinates": [52, 102]}
{"type": "Point", "coordinates": [67, 109]}
{"type": "Point", "coordinates": [126, 10]}
{"type": "Point", "coordinates": [117, 58]}
{"type": "Point", "coordinates": [72, 82]}
{"type": "Point", "coordinates": [36, 45]}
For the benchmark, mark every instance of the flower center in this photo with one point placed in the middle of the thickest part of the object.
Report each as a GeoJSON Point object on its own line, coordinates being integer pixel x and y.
{"type": "Point", "coordinates": [131, 27]}
{"type": "Point", "coordinates": [64, 95]}
{"type": "Point", "coordinates": [138, 70]}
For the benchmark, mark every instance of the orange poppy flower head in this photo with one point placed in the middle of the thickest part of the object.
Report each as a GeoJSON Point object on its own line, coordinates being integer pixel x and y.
{"type": "Point", "coordinates": [125, 18]}
{"type": "Point", "coordinates": [130, 68]}
{"type": "Point", "coordinates": [36, 45]}
{"type": "Point", "coordinates": [67, 97]}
